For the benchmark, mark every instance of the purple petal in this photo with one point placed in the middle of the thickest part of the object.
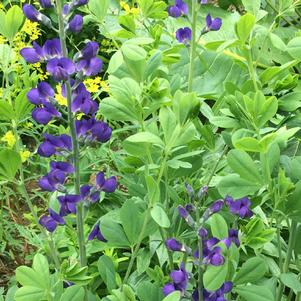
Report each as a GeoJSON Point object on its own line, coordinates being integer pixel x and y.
{"type": "Point", "coordinates": [31, 13]}
{"type": "Point", "coordinates": [30, 55]}
{"type": "Point", "coordinates": [41, 116]}
{"type": "Point", "coordinates": [76, 24]}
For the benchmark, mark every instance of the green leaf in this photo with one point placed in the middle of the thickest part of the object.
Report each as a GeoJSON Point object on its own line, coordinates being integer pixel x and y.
{"type": "Point", "coordinates": [252, 6]}
{"type": "Point", "coordinates": [107, 272]}
{"type": "Point", "coordinates": [113, 232]}
{"type": "Point", "coordinates": [22, 106]}
{"type": "Point", "coordinates": [73, 293]}
{"type": "Point", "coordinates": [241, 163]}
{"type": "Point", "coordinates": [29, 293]}
{"type": "Point", "coordinates": [215, 276]}
{"type": "Point", "coordinates": [244, 26]}
{"type": "Point", "coordinates": [13, 20]}
{"type": "Point", "coordinates": [219, 227]}
{"type": "Point", "coordinates": [290, 102]}
{"type": "Point", "coordinates": [99, 11]}
{"type": "Point", "coordinates": [254, 293]}
{"type": "Point", "coordinates": [294, 48]}
{"type": "Point", "coordinates": [26, 276]}
{"type": "Point", "coordinates": [249, 144]}
{"type": "Point", "coordinates": [153, 190]}
{"type": "Point", "coordinates": [10, 162]}
{"type": "Point", "coordinates": [160, 217]}
{"type": "Point", "coordinates": [148, 291]}
{"type": "Point", "coordinates": [6, 110]}
{"type": "Point", "coordinates": [175, 296]}
{"type": "Point", "coordinates": [251, 271]}
{"type": "Point", "coordinates": [131, 219]}
{"type": "Point", "coordinates": [236, 187]}
{"type": "Point", "coordinates": [40, 265]}
{"type": "Point", "coordinates": [133, 52]}
{"type": "Point", "coordinates": [277, 42]}
{"type": "Point", "coordinates": [292, 281]}
{"type": "Point", "coordinates": [146, 137]}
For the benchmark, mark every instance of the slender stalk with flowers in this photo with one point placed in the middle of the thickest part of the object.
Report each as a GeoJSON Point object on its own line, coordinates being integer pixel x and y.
{"type": "Point", "coordinates": [69, 74]}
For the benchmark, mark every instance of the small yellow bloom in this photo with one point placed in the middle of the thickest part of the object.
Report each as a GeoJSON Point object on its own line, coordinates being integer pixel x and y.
{"type": "Point", "coordinates": [9, 138]}
{"type": "Point", "coordinates": [2, 39]}
{"type": "Point", "coordinates": [31, 29]}
{"type": "Point", "coordinates": [79, 116]}
{"type": "Point", "coordinates": [24, 155]}
{"type": "Point", "coordinates": [61, 100]}
{"type": "Point", "coordinates": [128, 9]}
{"type": "Point", "coordinates": [93, 84]}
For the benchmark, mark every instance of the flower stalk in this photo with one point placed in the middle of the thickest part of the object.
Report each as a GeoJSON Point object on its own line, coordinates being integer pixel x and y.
{"type": "Point", "coordinates": [193, 44]}
{"type": "Point", "coordinates": [75, 146]}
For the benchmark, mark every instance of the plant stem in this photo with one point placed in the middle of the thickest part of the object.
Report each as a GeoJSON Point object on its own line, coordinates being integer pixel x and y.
{"type": "Point", "coordinates": [251, 67]}
{"type": "Point", "coordinates": [193, 44]}
{"type": "Point", "coordinates": [288, 258]}
{"type": "Point", "coordinates": [200, 250]}
{"type": "Point", "coordinates": [75, 147]}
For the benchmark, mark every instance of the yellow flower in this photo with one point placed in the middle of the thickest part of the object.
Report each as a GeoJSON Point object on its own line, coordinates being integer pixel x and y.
{"type": "Point", "coordinates": [79, 116]}
{"type": "Point", "coordinates": [128, 9]}
{"type": "Point", "coordinates": [61, 100]}
{"type": "Point", "coordinates": [104, 86]}
{"type": "Point", "coordinates": [9, 138]}
{"type": "Point", "coordinates": [24, 155]}
{"type": "Point", "coordinates": [93, 84]}
{"type": "Point", "coordinates": [31, 29]}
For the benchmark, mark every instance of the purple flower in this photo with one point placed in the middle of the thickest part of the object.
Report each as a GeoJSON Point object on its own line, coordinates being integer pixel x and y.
{"type": "Point", "coordinates": [54, 145]}
{"type": "Point", "coordinates": [89, 51]}
{"type": "Point", "coordinates": [183, 35]}
{"type": "Point", "coordinates": [216, 206]}
{"type": "Point", "coordinates": [60, 68]}
{"type": "Point", "coordinates": [183, 212]}
{"type": "Point", "coordinates": [217, 295]}
{"type": "Point", "coordinates": [213, 24]}
{"type": "Point", "coordinates": [232, 238]}
{"type": "Point", "coordinates": [203, 233]}
{"type": "Point", "coordinates": [31, 13]}
{"type": "Point", "coordinates": [62, 166]}
{"type": "Point", "coordinates": [66, 9]}
{"type": "Point", "coordinates": [107, 185]}
{"type": "Point", "coordinates": [51, 221]}
{"type": "Point", "coordinates": [203, 1]}
{"type": "Point", "coordinates": [87, 193]}
{"type": "Point", "coordinates": [189, 190]}
{"type": "Point", "coordinates": [45, 114]}
{"type": "Point", "coordinates": [90, 67]}
{"type": "Point", "coordinates": [180, 281]}
{"type": "Point", "coordinates": [52, 180]}
{"type": "Point", "coordinates": [239, 207]}
{"type": "Point", "coordinates": [43, 92]}
{"type": "Point", "coordinates": [32, 55]}
{"type": "Point", "coordinates": [46, 3]}
{"type": "Point", "coordinates": [52, 49]}
{"type": "Point", "coordinates": [174, 245]}
{"type": "Point", "coordinates": [68, 203]}
{"type": "Point", "coordinates": [96, 233]}
{"type": "Point", "coordinates": [178, 9]}
{"type": "Point", "coordinates": [84, 103]}
{"type": "Point", "coordinates": [76, 24]}
{"type": "Point", "coordinates": [79, 2]}
{"type": "Point", "coordinates": [92, 129]}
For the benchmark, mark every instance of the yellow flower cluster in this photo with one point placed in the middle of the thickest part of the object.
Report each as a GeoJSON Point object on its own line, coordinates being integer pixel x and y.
{"type": "Point", "coordinates": [31, 29]}
{"type": "Point", "coordinates": [9, 138]}
{"type": "Point", "coordinates": [61, 100]}
{"type": "Point", "coordinates": [2, 39]}
{"type": "Point", "coordinates": [25, 154]}
{"type": "Point", "coordinates": [37, 66]}
{"type": "Point", "coordinates": [93, 85]}
{"type": "Point", "coordinates": [128, 10]}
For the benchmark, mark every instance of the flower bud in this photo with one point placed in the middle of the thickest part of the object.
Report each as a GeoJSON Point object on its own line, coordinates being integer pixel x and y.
{"type": "Point", "coordinates": [76, 24]}
{"type": "Point", "coordinates": [174, 245]}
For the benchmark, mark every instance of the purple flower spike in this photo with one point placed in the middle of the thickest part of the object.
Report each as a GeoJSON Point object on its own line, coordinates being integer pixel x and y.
{"type": "Point", "coordinates": [89, 51]}
{"type": "Point", "coordinates": [203, 233]}
{"type": "Point", "coordinates": [96, 233]}
{"type": "Point", "coordinates": [240, 207]}
{"type": "Point", "coordinates": [45, 114]}
{"type": "Point", "coordinates": [178, 9]}
{"type": "Point", "coordinates": [60, 68]}
{"type": "Point", "coordinates": [183, 35]}
{"type": "Point", "coordinates": [46, 3]}
{"type": "Point", "coordinates": [76, 24]}
{"type": "Point", "coordinates": [213, 24]}
{"type": "Point", "coordinates": [84, 103]}
{"type": "Point", "coordinates": [174, 245]}
{"type": "Point", "coordinates": [31, 13]}
{"type": "Point", "coordinates": [86, 193]}
{"type": "Point", "coordinates": [38, 95]}
{"type": "Point", "coordinates": [54, 145]}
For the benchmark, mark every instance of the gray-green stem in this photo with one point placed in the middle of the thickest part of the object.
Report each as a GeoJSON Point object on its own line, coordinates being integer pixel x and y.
{"type": "Point", "coordinates": [193, 44]}
{"type": "Point", "coordinates": [75, 147]}
{"type": "Point", "coordinates": [288, 258]}
{"type": "Point", "coordinates": [200, 250]}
